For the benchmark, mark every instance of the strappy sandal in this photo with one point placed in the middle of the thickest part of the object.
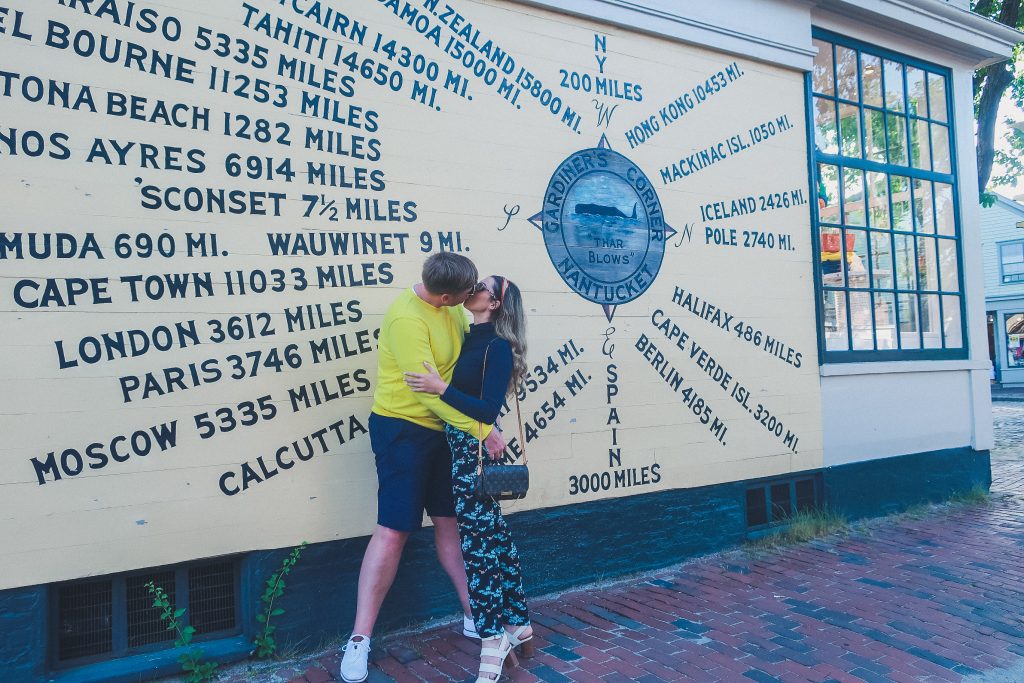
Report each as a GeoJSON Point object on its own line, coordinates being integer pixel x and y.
{"type": "Point", "coordinates": [526, 648]}
{"type": "Point", "coordinates": [502, 652]}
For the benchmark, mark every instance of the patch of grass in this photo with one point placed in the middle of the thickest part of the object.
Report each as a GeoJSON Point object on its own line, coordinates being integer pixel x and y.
{"type": "Point", "coordinates": [916, 511]}
{"type": "Point", "coordinates": [975, 496]}
{"type": "Point", "coordinates": [803, 526]}
{"type": "Point", "coordinates": [295, 648]}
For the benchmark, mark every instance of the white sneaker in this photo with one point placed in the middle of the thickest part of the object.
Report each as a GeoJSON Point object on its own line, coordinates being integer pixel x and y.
{"type": "Point", "coordinates": [353, 664]}
{"type": "Point", "coordinates": [469, 628]}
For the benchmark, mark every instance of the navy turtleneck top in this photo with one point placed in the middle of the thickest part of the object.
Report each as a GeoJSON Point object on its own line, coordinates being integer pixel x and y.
{"type": "Point", "coordinates": [470, 391]}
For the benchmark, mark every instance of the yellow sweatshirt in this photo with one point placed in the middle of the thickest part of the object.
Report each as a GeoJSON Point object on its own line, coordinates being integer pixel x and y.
{"type": "Point", "coordinates": [413, 331]}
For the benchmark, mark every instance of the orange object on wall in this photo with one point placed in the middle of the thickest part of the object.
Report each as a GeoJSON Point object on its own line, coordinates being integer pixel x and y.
{"type": "Point", "coordinates": [830, 242]}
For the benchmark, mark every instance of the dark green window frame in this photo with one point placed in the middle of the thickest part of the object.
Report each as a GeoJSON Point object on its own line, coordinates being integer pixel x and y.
{"type": "Point", "coordinates": [888, 272]}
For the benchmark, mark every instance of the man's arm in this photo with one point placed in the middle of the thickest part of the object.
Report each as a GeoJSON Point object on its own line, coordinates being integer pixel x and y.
{"type": "Point", "coordinates": [411, 346]}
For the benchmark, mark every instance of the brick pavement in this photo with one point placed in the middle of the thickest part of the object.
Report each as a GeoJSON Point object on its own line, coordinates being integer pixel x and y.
{"type": "Point", "coordinates": [1008, 455]}
{"type": "Point", "coordinates": [933, 596]}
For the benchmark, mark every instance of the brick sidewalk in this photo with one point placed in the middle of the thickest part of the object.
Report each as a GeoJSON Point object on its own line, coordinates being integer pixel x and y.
{"type": "Point", "coordinates": [934, 597]}
{"type": "Point", "coordinates": [1008, 455]}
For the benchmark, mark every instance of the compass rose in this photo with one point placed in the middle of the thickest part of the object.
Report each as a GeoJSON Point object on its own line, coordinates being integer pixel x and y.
{"type": "Point", "coordinates": [603, 226]}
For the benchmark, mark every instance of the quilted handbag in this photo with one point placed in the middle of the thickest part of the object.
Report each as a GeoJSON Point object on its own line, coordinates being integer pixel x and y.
{"type": "Point", "coordinates": [495, 481]}
{"type": "Point", "coordinates": [502, 482]}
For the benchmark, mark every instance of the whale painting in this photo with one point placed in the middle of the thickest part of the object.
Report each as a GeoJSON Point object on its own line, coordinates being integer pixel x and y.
{"type": "Point", "coordinates": [603, 240]}
{"type": "Point", "coordinates": [602, 210]}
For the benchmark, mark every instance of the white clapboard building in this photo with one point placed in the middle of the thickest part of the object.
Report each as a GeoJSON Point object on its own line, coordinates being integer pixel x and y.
{"type": "Point", "coordinates": [1003, 253]}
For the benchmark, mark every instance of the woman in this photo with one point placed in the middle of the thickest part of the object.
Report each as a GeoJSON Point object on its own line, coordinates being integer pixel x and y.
{"type": "Point", "coordinates": [478, 389]}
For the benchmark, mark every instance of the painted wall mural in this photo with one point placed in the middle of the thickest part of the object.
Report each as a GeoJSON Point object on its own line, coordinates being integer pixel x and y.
{"type": "Point", "coordinates": [209, 206]}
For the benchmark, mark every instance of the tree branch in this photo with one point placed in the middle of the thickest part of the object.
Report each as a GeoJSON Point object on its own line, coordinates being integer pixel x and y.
{"type": "Point", "coordinates": [996, 80]}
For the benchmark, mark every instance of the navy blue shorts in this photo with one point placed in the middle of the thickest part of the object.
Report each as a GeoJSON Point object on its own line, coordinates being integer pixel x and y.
{"type": "Point", "coordinates": [414, 473]}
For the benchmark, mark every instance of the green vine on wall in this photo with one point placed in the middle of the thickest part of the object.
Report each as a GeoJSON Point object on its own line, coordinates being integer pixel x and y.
{"type": "Point", "coordinates": [265, 644]}
{"type": "Point", "coordinates": [196, 670]}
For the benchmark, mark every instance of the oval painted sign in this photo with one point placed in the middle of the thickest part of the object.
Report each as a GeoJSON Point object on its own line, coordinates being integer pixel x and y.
{"type": "Point", "coordinates": [603, 226]}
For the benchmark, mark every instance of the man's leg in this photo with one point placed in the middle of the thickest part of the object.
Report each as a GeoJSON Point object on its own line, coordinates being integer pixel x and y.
{"type": "Point", "coordinates": [377, 573]}
{"type": "Point", "coordinates": [402, 474]}
{"type": "Point", "coordinates": [449, 553]}
{"type": "Point", "coordinates": [440, 504]}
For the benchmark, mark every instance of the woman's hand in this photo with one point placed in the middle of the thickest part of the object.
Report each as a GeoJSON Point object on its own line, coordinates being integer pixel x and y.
{"type": "Point", "coordinates": [495, 444]}
{"type": "Point", "coordinates": [428, 382]}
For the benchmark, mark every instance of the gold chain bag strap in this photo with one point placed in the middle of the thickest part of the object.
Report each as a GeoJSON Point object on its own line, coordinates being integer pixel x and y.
{"type": "Point", "coordinates": [495, 481]}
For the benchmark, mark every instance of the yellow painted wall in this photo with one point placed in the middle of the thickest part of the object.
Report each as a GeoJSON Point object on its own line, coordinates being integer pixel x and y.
{"type": "Point", "coordinates": [465, 145]}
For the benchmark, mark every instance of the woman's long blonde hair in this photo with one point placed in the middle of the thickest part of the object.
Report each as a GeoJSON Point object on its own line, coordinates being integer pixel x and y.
{"type": "Point", "coordinates": [510, 324]}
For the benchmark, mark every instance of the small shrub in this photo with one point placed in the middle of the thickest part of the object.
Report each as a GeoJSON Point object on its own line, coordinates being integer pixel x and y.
{"type": "Point", "coordinates": [196, 670]}
{"type": "Point", "coordinates": [265, 644]}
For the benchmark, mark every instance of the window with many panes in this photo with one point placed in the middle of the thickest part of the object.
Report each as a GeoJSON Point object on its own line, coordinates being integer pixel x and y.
{"type": "Point", "coordinates": [1011, 262]}
{"type": "Point", "coordinates": [888, 252]}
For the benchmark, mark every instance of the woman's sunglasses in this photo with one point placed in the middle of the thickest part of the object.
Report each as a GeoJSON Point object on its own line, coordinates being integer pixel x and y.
{"type": "Point", "coordinates": [481, 287]}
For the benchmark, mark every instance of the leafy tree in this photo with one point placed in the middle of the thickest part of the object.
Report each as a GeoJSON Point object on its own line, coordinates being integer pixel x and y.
{"type": "Point", "coordinates": [990, 84]}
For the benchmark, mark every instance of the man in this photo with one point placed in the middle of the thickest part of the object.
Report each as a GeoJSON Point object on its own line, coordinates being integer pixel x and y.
{"type": "Point", "coordinates": [426, 323]}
